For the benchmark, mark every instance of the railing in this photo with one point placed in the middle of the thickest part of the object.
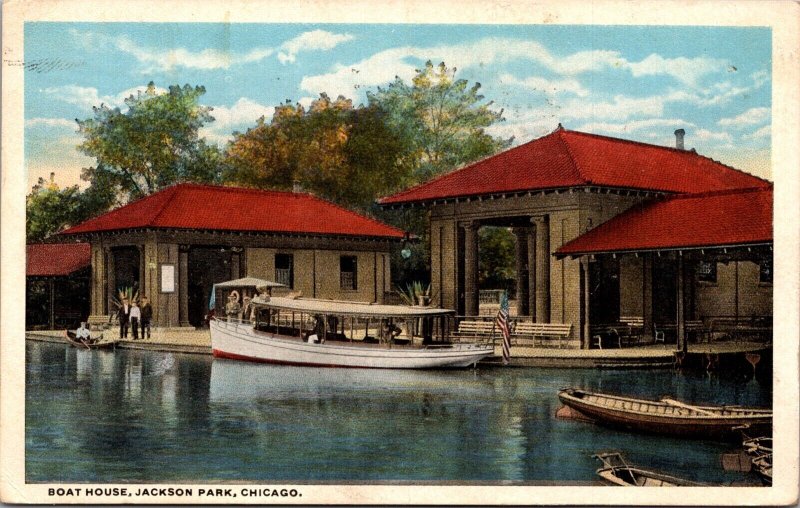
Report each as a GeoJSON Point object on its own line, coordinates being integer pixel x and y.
{"type": "Point", "coordinates": [489, 295]}
{"type": "Point", "coordinates": [347, 280]}
{"type": "Point", "coordinates": [284, 276]}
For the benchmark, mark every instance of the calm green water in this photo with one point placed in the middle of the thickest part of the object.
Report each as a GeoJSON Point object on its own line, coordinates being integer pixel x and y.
{"type": "Point", "coordinates": [96, 416]}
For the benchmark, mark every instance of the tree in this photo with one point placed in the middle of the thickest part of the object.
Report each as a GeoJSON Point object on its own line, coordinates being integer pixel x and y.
{"type": "Point", "coordinates": [443, 119]}
{"type": "Point", "coordinates": [339, 152]}
{"type": "Point", "coordinates": [50, 209]}
{"type": "Point", "coordinates": [496, 268]}
{"type": "Point", "coordinates": [152, 144]}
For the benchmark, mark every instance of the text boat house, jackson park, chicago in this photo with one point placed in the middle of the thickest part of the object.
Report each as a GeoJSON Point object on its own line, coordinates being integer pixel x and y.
{"type": "Point", "coordinates": [607, 231]}
{"type": "Point", "coordinates": [174, 245]}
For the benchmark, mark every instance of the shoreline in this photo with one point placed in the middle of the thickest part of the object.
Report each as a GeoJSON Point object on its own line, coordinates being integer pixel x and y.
{"type": "Point", "coordinates": [190, 341]}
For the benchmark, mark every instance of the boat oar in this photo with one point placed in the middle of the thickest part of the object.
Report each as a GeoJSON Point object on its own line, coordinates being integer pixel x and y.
{"type": "Point", "coordinates": [676, 403]}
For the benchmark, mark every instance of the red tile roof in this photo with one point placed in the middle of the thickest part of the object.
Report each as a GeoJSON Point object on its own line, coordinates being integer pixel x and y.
{"type": "Point", "coordinates": [725, 218]}
{"type": "Point", "coordinates": [193, 206]}
{"type": "Point", "coordinates": [55, 259]}
{"type": "Point", "coordinates": [567, 158]}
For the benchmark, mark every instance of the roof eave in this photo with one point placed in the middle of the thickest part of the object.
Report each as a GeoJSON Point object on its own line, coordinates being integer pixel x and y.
{"type": "Point", "coordinates": [648, 250]}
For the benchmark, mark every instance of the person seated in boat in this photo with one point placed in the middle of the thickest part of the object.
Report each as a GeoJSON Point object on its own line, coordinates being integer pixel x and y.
{"type": "Point", "coordinates": [390, 331]}
{"type": "Point", "coordinates": [83, 334]}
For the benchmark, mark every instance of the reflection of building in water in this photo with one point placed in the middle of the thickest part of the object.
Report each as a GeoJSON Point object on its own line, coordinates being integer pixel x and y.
{"type": "Point", "coordinates": [83, 364]}
{"type": "Point", "coordinates": [107, 364]}
{"type": "Point", "coordinates": [174, 245]}
{"type": "Point", "coordinates": [133, 377]}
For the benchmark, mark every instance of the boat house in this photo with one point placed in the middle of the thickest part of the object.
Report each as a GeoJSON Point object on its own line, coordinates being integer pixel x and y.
{"type": "Point", "coordinates": [174, 245]}
{"type": "Point", "coordinates": [608, 231]}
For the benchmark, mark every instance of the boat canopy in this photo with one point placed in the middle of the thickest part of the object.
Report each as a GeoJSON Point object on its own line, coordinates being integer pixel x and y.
{"type": "Point", "coordinates": [345, 308]}
{"type": "Point", "coordinates": [248, 281]}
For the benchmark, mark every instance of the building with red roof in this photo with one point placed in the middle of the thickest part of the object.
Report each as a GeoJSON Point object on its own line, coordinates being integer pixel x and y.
{"type": "Point", "coordinates": [604, 230]}
{"type": "Point", "coordinates": [174, 245]}
{"type": "Point", "coordinates": [57, 284]}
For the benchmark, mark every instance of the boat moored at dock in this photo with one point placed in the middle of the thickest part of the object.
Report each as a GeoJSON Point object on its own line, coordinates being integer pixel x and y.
{"type": "Point", "coordinates": [328, 333]}
{"type": "Point", "coordinates": [616, 471]}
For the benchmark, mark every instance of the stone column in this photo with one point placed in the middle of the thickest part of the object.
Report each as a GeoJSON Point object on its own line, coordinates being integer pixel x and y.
{"type": "Point", "coordinates": [647, 297]}
{"type": "Point", "coordinates": [542, 269]}
{"type": "Point", "coordinates": [681, 318]}
{"type": "Point", "coordinates": [111, 281]}
{"type": "Point", "coordinates": [183, 285]}
{"type": "Point", "coordinates": [521, 257]}
{"type": "Point", "coordinates": [471, 268]}
{"type": "Point", "coordinates": [532, 274]}
{"type": "Point", "coordinates": [586, 331]}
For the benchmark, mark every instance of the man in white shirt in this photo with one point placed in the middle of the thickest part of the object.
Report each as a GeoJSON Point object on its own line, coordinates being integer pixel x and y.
{"type": "Point", "coordinates": [82, 332]}
{"type": "Point", "coordinates": [136, 315]}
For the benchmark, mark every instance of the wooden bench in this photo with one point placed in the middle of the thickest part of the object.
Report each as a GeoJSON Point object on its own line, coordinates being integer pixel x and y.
{"type": "Point", "coordinates": [475, 329]}
{"type": "Point", "coordinates": [99, 322]}
{"type": "Point", "coordinates": [546, 333]}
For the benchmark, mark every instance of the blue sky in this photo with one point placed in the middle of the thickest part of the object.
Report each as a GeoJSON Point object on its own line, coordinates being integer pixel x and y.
{"type": "Point", "coordinates": [637, 83]}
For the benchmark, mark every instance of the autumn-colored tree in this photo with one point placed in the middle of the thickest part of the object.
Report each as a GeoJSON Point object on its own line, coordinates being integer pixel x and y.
{"type": "Point", "coordinates": [442, 119]}
{"type": "Point", "coordinates": [332, 149]}
{"type": "Point", "coordinates": [154, 143]}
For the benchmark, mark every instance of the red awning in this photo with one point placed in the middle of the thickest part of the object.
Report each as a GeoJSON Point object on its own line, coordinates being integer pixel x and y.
{"type": "Point", "coordinates": [56, 259]}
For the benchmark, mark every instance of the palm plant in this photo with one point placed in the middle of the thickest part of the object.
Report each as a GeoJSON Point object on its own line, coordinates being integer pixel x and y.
{"type": "Point", "coordinates": [416, 293]}
{"type": "Point", "coordinates": [124, 292]}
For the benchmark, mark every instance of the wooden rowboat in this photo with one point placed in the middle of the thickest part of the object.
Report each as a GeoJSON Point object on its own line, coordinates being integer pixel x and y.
{"type": "Point", "coordinates": [616, 471]}
{"type": "Point", "coordinates": [88, 344]}
{"type": "Point", "coordinates": [763, 467]}
{"type": "Point", "coordinates": [666, 416]}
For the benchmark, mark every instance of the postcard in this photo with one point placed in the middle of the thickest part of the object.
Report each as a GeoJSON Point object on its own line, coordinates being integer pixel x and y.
{"type": "Point", "coordinates": [400, 253]}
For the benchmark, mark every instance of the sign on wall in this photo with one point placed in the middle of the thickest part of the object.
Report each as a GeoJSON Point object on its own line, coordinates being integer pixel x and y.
{"type": "Point", "coordinates": [167, 278]}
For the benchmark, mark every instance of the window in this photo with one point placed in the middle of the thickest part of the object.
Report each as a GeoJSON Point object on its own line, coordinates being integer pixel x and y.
{"type": "Point", "coordinates": [707, 272]}
{"type": "Point", "coordinates": [765, 272]}
{"type": "Point", "coordinates": [284, 270]}
{"type": "Point", "coordinates": [348, 272]}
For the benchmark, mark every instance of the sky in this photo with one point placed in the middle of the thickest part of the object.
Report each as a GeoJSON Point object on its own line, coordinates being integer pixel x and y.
{"type": "Point", "coordinates": [639, 83]}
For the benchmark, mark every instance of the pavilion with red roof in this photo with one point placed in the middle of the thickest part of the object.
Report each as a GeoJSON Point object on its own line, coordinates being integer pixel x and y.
{"type": "Point", "coordinates": [174, 245]}
{"type": "Point", "coordinates": [607, 231]}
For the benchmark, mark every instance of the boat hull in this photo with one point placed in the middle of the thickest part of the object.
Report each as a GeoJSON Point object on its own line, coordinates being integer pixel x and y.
{"type": "Point", "coordinates": [623, 412]}
{"type": "Point", "coordinates": [241, 342]}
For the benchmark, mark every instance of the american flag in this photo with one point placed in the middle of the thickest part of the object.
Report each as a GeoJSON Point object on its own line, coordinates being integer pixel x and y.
{"type": "Point", "coordinates": [502, 324]}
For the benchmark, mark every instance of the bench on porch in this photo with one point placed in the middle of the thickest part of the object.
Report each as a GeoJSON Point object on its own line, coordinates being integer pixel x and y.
{"type": "Point", "coordinates": [474, 329]}
{"type": "Point", "coordinates": [99, 322]}
{"type": "Point", "coordinates": [694, 328]}
{"type": "Point", "coordinates": [545, 333]}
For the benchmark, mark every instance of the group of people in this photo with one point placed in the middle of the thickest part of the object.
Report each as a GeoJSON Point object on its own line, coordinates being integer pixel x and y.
{"type": "Point", "coordinates": [239, 311]}
{"type": "Point", "coordinates": [132, 316]}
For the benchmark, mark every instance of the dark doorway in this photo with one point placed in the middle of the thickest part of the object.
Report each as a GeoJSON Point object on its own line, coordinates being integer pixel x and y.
{"type": "Point", "coordinates": [126, 269]}
{"type": "Point", "coordinates": [665, 307]}
{"type": "Point", "coordinates": [207, 266]}
{"type": "Point", "coordinates": [604, 291]}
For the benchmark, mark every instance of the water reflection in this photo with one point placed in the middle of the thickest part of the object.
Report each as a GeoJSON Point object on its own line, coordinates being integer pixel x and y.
{"type": "Point", "coordinates": [151, 417]}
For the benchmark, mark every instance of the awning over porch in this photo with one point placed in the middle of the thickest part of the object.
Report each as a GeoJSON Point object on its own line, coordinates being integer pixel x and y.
{"type": "Point", "coordinates": [56, 259]}
{"type": "Point", "coordinates": [724, 219]}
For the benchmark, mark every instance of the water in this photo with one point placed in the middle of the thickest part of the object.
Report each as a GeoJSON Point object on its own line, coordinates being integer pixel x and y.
{"type": "Point", "coordinates": [139, 416]}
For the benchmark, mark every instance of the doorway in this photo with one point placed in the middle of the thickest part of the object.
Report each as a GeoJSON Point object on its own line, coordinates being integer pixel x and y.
{"type": "Point", "coordinates": [207, 266]}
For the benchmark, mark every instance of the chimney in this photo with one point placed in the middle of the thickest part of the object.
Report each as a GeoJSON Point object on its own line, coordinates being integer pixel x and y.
{"type": "Point", "coordinates": [296, 187]}
{"type": "Point", "coordinates": [679, 138]}
{"type": "Point", "coordinates": [52, 177]}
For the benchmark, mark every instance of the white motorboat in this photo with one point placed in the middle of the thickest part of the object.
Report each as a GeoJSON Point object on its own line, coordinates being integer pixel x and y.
{"type": "Point", "coordinates": [328, 333]}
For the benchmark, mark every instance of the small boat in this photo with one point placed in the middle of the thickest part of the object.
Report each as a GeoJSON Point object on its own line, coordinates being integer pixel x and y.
{"type": "Point", "coordinates": [667, 416]}
{"type": "Point", "coordinates": [313, 332]}
{"type": "Point", "coordinates": [616, 471]}
{"type": "Point", "coordinates": [92, 343]}
{"type": "Point", "coordinates": [758, 446]}
{"type": "Point", "coordinates": [763, 467]}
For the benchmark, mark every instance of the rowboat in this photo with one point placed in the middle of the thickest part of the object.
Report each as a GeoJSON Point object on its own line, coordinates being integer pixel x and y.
{"type": "Point", "coordinates": [763, 467]}
{"type": "Point", "coordinates": [99, 343]}
{"type": "Point", "coordinates": [667, 416]}
{"type": "Point", "coordinates": [329, 333]}
{"type": "Point", "coordinates": [616, 471]}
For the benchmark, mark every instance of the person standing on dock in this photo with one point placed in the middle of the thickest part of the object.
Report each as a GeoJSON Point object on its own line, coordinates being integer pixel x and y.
{"type": "Point", "coordinates": [147, 316]}
{"type": "Point", "coordinates": [122, 315]}
{"type": "Point", "coordinates": [136, 315]}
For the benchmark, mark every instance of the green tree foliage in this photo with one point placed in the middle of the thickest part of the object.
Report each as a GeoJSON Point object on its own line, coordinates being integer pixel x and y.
{"type": "Point", "coordinates": [441, 118]}
{"type": "Point", "coordinates": [50, 209]}
{"type": "Point", "coordinates": [334, 150]}
{"type": "Point", "coordinates": [496, 264]}
{"type": "Point", "coordinates": [152, 144]}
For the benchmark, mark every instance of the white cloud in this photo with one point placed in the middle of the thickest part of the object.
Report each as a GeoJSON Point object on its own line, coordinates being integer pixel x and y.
{"type": "Point", "coordinates": [752, 116]}
{"type": "Point", "coordinates": [636, 125]}
{"type": "Point", "coordinates": [89, 97]}
{"type": "Point", "coordinates": [315, 40]}
{"type": "Point", "coordinates": [51, 122]}
{"type": "Point", "coordinates": [242, 115]}
{"type": "Point", "coordinates": [685, 70]}
{"type": "Point", "coordinates": [763, 133]}
{"type": "Point", "coordinates": [207, 59]}
{"type": "Point", "coordinates": [716, 136]}
{"type": "Point", "coordinates": [546, 86]}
